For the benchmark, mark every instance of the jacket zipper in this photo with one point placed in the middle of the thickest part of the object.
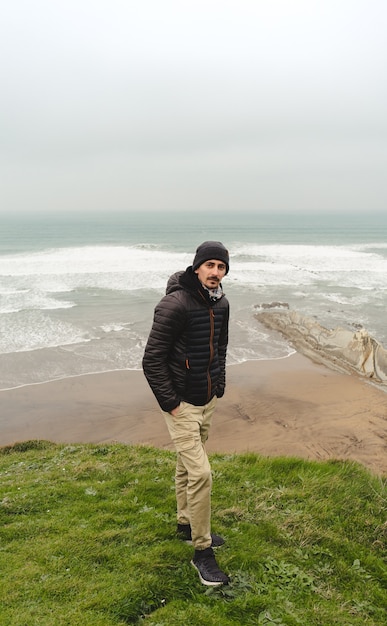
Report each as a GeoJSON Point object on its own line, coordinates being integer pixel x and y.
{"type": "Point", "coordinates": [212, 330]}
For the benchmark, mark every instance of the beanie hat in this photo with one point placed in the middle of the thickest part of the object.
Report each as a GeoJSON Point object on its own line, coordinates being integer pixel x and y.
{"type": "Point", "coordinates": [211, 250]}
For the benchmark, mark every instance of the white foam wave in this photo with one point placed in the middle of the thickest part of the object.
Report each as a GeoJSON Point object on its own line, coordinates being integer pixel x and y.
{"type": "Point", "coordinates": [27, 299]}
{"type": "Point", "coordinates": [10, 291]}
{"type": "Point", "coordinates": [339, 298]}
{"type": "Point", "coordinates": [131, 268]}
{"type": "Point", "coordinates": [112, 328]}
{"type": "Point", "coordinates": [34, 330]}
{"type": "Point", "coordinates": [90, 260]}
{"type": "Point", "coordinates": [64, 270]}
{"type": "Point", "coordinates": [370, 246]}
{"type": "Point", "coordinates": [312, 258]}
{"type": "Point", "coordinates": [250, 342]}
{"type": "Point", "coordinates": [304, 276]}
{"type": "Point", "coordinates": [304, 265]}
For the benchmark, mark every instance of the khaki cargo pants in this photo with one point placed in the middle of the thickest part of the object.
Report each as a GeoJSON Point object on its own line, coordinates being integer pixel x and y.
{"type": "Point", "coordinates": [189, 432]}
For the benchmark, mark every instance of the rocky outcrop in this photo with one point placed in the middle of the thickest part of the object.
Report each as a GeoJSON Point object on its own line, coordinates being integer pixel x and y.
{"type": "Point", "coordinates": [342, 349]}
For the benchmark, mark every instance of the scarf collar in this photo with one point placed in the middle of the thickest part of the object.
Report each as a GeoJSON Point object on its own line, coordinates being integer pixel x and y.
{"type": "Point", "coordinates": [214, 294]}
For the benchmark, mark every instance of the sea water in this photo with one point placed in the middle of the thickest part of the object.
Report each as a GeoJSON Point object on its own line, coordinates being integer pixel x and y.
{"type": "Point", "coordinates": [77, 292]}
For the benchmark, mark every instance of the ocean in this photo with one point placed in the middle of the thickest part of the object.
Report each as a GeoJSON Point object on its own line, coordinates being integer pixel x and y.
{"type": "Point", "coordinates": [77, 291]}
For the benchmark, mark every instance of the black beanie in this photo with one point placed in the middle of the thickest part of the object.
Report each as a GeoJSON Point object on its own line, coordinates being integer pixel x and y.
{"type": "Point", "coordinates": [211, 250]}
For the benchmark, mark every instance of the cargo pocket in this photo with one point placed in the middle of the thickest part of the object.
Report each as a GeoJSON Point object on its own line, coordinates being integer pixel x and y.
{"type": "Point", "coordinates": [185, 432]}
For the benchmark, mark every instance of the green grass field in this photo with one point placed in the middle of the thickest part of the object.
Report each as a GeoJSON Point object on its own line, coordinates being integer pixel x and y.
{"type": "Point", "coordinates": [88, 538]}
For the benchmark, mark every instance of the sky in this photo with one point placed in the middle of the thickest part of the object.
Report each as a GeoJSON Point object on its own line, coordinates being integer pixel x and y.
{"type": "Point", "coordinates": [208, 105]}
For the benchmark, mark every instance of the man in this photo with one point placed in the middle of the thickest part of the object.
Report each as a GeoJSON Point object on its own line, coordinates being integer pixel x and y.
{"type": "Point", "coordinates": [185, 366]}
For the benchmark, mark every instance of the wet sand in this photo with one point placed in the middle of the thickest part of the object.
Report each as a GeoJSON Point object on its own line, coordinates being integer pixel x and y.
{"type": "Point", "coordinates": [290, 407]}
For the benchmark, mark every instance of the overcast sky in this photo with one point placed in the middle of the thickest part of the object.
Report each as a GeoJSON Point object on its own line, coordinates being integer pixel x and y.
{"type": "Point", "coordinates": [202, 104]}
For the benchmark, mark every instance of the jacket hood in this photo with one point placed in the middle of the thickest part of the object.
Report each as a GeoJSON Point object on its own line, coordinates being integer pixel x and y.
{"type": "Point", "coordinates": [173, 283]}
{"type": "Point", "coordinates": [186, 280]}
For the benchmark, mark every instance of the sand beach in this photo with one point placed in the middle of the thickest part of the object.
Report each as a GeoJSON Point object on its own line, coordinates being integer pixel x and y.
{"type": "Point", "coordinates": [290, 406]}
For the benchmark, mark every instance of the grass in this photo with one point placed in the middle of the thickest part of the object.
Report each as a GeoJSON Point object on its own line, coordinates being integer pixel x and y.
{"type": "Point", "coordinates": [87, 537]}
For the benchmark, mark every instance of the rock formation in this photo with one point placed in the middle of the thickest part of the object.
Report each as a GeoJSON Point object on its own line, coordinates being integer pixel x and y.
{"type": "Point", "coordinates": [338, 348]}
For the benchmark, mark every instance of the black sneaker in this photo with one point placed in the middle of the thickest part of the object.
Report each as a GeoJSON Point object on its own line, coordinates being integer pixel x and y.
{"type": "Point", "coordinates": [184, 533]}
{"type": "Point", "coordinates": [209, 573]}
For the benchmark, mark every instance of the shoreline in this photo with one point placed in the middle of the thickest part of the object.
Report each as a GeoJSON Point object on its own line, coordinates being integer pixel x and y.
{"type": "Point", "coordinates": [69, 376]}
{"type": "Point", "coordinates": [289, 406]}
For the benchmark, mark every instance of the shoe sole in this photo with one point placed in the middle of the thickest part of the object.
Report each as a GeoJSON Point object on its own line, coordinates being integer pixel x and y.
{"type": "Point", "coordinates": [206, 582]}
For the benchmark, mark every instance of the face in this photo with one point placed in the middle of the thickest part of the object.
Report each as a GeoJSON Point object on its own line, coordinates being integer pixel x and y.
{"type": "Point", "coordinates": [210, 273]}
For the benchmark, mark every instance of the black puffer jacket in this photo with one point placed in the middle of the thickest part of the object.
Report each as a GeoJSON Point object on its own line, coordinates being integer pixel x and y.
{"type": "Point", "coordinates": [185, 356]}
